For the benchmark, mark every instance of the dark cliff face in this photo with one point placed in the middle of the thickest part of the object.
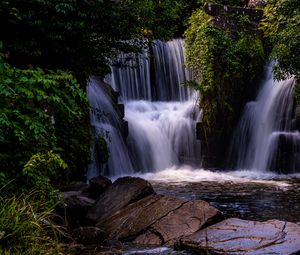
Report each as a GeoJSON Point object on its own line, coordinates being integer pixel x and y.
{"type": "Point", "coordinates": [228, 17]}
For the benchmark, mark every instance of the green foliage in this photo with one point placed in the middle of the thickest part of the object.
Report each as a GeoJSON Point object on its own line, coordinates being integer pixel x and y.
{"type": "Point", "coordinates": [161, 19]}
{"type": "Point", "coordinates": [41, 111]}
{"type": "Point", "coordinates": [82, 36]}
{"type": "Point", "coordinates": [26, 227]}
{"type": "Point", "coordinates": [42, 172]}
{"type": "Point", "coordinates": [217, 61]}
{"type": "Point", "coordinates": [281, 27]}
{"type": "Point", "coordinates": [225, 64]}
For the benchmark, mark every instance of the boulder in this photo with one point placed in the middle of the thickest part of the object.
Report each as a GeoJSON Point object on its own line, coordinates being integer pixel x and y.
{"type": "Point", "coordinates": [77, 200]}
{"type": "Point", "coordinates": [158, 220]}
{"type": "Point", "coordinates": [76, 205]}
{"type": "Point", "coordinates": [185, 220]}
{"type": "Point", "coordinates": [89, 235]}
{"type": "Point", "coordinates": [122, 192]}
{"type": "Point", "coordinates": [97, 186]}
{"type": "Point", "coordinates": [242, 237]}
{"type": "Point", "coordinates": [75, 186]}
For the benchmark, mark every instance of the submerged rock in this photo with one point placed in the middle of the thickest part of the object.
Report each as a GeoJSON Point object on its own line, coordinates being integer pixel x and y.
{"type": "Point", "coordinates": [242, 237]}
{"type": "Point", "coordinates": [158, 220]}
{"type": "Point", "coordinates": [121, 193]}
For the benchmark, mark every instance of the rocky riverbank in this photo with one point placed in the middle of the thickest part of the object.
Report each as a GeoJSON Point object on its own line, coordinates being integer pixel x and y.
{"type": "Point", "coordinates": [105, 214]}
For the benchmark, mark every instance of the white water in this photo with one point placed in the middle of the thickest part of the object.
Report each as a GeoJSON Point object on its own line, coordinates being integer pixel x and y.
{"type": "Point", "coordinates": [134, 82]}
{"type": "Point", "coordinates": [106, 122]}
{"type": "Point", "coordinates": [162, 134]}
{"type": "Point", "coordinates": [162, 130]}
{"type": "Point", "coordinates": [255, 141]}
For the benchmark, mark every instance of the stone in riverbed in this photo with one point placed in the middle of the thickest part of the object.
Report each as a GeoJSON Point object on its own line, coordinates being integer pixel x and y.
{"type": "Point", "coordinates": [241, 237]}
{"type": "Point", "coordinates": [122, 192]}
{"type": "Point", "coordinates": [98, 185]}
{"type": "Point", "coordinates": [76, 205]}
{"type": "Point", "coordinates": [159, 220]}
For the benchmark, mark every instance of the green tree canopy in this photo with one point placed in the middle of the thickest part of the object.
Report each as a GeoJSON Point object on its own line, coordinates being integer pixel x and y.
{"type": "Point", "coordinates": [281, 26]}
{"type": "Point", "coordinates": [82, 35]}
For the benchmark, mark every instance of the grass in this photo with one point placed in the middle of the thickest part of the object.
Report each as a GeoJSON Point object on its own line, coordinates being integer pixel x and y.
{"type": "Point", "coordinates": [26, 227]}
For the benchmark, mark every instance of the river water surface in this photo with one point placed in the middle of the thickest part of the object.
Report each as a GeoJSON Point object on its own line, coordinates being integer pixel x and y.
{"type": "Point", "coordinates": [245, 194]}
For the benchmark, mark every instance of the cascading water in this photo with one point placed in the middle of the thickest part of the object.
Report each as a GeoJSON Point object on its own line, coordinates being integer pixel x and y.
{"type": "Point", "coordinates": [162, 134]}
{"type": "Point", "coordinates": [265, 124]}
{"type": "Point", "coordinates": [134, 82]}
{"type": "Point", "coordinates": [161, 112]}
{"type": "Point", "coordinates": [106, 122]}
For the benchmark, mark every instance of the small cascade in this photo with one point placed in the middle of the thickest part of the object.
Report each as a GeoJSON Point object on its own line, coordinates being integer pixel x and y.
{"type": "Point", "coordinates": [161, 112]}
{"type": "Point", "coordinates": [132, 80]}
{"type": "Point", "coordinates": [266, 130]}
{"type": "Point", "coordinates": [106, 121]}
{"type": "Point", "coordinates": [162, 134]}
{"type": "Point", "coordinates": [170, 71]}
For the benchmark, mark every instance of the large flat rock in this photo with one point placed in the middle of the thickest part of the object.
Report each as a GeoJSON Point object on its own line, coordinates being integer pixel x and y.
{"type": "Point", "coordinates": [158, 220]}
{"type": "Point", "coordinates": [122, 192]}
{"type": "Point", "coordinates": [241, 237]}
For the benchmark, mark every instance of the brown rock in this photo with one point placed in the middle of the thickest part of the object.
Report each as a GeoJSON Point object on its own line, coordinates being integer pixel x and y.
{"type": "Point", "coordinates": [137, 217]}
{"type": "Point", "coordinates": [77, 200]}
{"type": "Point", "coordinates": [158, 219]}
{"type": "Point", "coordinates": [98, 185]}
{"type": "Point", "coordinates": [242, 237]}
{"type": "Point", "coordinates": [185, 220]}
{"type": "Point", "coordinates": [89, 235]}
{"type": "Point", "coordinates": [123, 192]}
{"type": "Point", "coordinates": [76, 207]}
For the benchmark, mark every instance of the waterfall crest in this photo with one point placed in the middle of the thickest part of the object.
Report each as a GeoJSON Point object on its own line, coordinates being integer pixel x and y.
{"type": "Point", "coordinates": [264, 124]}
{"type": "Point", "coordinates": [162, 81]}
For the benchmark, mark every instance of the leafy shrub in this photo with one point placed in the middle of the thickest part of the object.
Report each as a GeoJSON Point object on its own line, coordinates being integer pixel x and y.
{"type": "Point", "coordinates": [41, 111]}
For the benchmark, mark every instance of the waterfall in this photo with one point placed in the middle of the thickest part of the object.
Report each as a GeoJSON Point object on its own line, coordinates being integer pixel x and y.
{"type": "Point", "coordinates": [106, 121]}
{"type": "Point", "coordinates": [134, 81]}
{"type": "Point", "coordinates": [170, 73]}
{"type": "Point", "coordinates": [161, 112]}
{"type": "Point", "coordinates": [266, 124]}
{"type": "Point", "coordinates": [162, 134]}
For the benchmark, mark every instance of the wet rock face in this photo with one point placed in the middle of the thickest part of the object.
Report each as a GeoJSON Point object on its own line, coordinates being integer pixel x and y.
{"type": "Point", "coordinates": [242, 237]}
{"type": "Point", "coordinates": [121, 193]}
{"type": "Point", "coordinates": [157, 220]}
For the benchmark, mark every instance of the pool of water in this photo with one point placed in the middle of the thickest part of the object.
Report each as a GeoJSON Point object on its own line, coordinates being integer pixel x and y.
{"type": "Point", "coordinates": [249, 195]}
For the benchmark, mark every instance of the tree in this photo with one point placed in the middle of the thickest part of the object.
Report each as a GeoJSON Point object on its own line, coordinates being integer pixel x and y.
{"type": "Point", "coordinates": [281, 27]}
{"type": "Point", "coordinates": [82, 35]}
